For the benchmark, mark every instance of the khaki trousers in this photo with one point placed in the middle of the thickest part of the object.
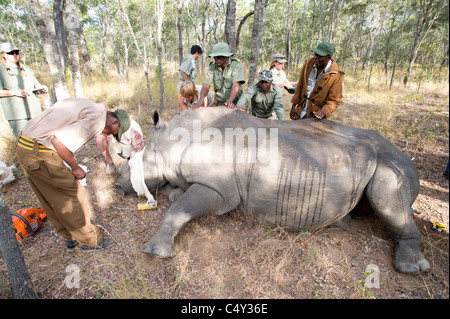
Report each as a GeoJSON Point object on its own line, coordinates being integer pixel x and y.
{"type": "Point", "coordinates": [62, 197]}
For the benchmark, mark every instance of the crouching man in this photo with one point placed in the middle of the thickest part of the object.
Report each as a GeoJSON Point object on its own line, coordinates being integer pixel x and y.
{"type": "Point", "coordinates": [126, 142]}
{"type": "Point", "coordinates": [45, 143]}
{"type": "Point", "coordinates": [265, 97]}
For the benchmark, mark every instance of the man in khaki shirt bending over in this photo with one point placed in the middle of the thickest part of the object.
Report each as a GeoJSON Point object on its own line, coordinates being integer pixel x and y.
{"type": "Point", "coordinates": [45, 143]}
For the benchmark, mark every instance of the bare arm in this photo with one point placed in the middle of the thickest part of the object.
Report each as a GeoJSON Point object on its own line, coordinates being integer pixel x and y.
{"type": "Point", "coordinates": [185, 77]}
{"type": "Point", "coordinates": [68, 157]}
{"type": "Point", "coordinates": [201, 100]}
{"type": "Point", "coordinates": [233, 94]}
{"type": "Point", "coordinates": [9, 93]}
{"type": "Point", "coordinates": [181, 103]}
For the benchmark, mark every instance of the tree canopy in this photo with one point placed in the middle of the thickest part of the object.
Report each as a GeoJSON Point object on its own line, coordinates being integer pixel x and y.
{"type": "Point", "coordinates": [412, 34]}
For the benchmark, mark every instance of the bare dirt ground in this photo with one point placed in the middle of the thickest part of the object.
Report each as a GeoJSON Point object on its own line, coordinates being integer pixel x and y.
{"type": "Point", "coordinates": [233, 256]}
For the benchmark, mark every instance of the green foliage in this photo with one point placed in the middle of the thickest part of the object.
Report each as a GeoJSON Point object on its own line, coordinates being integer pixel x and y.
{"type": "Point", "coordinates": [290, 27]}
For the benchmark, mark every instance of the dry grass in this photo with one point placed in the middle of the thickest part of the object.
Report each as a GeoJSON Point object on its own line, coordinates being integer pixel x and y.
{"type": "Point", "coordinates": [233, 256]}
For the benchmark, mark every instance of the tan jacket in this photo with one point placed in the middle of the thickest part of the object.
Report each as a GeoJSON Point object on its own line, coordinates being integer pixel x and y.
{"type": "Point", "coordinates": [327, 93]}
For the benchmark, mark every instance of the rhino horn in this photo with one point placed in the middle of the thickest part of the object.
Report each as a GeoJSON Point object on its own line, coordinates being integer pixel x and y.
{"type": "Point", "coordinates": [117, 160]}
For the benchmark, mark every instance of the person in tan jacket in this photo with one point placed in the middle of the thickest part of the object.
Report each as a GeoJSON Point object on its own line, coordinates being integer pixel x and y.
{"type": "Point", "coordinates": [319, 88]}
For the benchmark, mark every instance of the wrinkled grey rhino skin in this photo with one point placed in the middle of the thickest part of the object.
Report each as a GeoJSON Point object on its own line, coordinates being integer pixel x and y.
{"type": "Point", "coordinates": [321, 171]}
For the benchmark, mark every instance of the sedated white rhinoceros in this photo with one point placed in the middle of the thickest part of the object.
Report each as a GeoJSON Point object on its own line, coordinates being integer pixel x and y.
{"type": "Point", "coordinates": [299, 175]}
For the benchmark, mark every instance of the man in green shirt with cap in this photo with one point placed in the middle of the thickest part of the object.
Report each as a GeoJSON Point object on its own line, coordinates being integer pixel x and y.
{"type": "Point", "coordinates": [227, 75]}
{"type": "Point", "coordinates": [265, 97]}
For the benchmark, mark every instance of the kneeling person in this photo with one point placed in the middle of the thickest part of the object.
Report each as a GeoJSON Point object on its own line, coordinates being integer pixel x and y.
{"type": "Point", "coordinates": [265, 98]}
{"type": "Point", "coordinates": [126, 142]}
{"type": "Point", "coordinates": [190, 94]}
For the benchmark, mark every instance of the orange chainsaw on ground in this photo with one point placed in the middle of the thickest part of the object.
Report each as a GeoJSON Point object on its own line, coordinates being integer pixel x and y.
{"type": "Point", "coordinates": [27, 221]}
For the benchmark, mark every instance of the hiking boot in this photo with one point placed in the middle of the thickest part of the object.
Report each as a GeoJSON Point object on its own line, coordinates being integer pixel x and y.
{"type": "Point", "coordinates": [71, 244]}
{"type": "Point", "coordinates": [106, 243]}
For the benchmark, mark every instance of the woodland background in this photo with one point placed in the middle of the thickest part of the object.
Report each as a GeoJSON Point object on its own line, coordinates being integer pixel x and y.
{"type": "Point", "coordinates": [126, 53]}
{"type": "Point", "coordinates": [71, 39]}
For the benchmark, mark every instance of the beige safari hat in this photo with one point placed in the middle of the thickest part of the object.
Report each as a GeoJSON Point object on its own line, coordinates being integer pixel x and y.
{"type": "Point", "coordinates": [8, 47]}
{"type": "Point", "coordinates": [279, 58]}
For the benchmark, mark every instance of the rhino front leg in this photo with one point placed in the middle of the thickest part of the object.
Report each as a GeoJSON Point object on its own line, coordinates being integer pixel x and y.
{"type": "Point", "coordinates": [197, 201]}
{"type": "Point", "coordinates": [173, 193]}
{"type": "Point", "coordinates": [391, 195]}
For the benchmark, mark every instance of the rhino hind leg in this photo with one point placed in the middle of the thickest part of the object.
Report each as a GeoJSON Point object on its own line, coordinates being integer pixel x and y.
{"type": "Point", "coordinates": [197, 201]}
{"type": "Point", "coordinates": [391, 197]}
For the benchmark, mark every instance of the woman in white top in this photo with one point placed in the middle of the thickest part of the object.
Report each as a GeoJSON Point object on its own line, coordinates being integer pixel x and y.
{"type": "Point", "coordinates": [279, 77]}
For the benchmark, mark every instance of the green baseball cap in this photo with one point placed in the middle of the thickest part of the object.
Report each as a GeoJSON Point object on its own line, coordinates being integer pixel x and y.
{"type": "Point", "coordinates": [325, 48]}
{"type": "Point", "coordinates": [221, 49]}
{"type": "Point", "coordinates": [124, 120]}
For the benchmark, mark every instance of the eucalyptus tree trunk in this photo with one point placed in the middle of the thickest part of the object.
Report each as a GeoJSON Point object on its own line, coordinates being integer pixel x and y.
{"type": "Point", "coordinates": [141, 57]}
{"type": "Point", "coordinates": [72, 23]}
{"type": "Point", "coordinates": [425, 20]}
{"type": "Point", "coordinates": [393, 72]}
{"type": "Point", "coordinates": [61, 30]}
{"type": "Point", "coordinates": [201, 37]}
{"type": "Point", "coordinates": [87, 69]}
{"type": "Point", "coordinates": [241, 24]}
{"type": "Point", "coordinates": [313, 26]}
{"type": "Point", "coordinates": [204, 38]}
{"type": "Point", "coordinates": [159, 49]}
{"type": "Point", "coordinates": [444, 61]}
{"type": "Point", "coordinates": [17, 270]}
{"type": "Point", "coordinates": [2, 37]}
{"type": "Point", "coordinates": [256, 38]}
{"type": "Point", "coordinates": [46, 28]}
{"type": "Point", "coordinates": [288, 38]}
{"type": "Point", "coordinates": [180, 31]}
{"type": "Point", "coordinates": [104, 39]}
{"type": "Point", "coordinates": [230, 25]}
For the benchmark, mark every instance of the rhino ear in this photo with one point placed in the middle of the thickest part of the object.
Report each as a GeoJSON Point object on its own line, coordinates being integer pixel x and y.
{"type": "Point", "coordinates": [155, 117]}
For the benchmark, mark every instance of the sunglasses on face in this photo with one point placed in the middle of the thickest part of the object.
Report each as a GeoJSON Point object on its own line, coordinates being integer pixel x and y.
{"type": "Point", "coordinates": [16, 52]}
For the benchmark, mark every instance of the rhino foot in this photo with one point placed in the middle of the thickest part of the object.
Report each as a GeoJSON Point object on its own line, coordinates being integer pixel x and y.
{"type": "Point", "coordinates": [409, 259]}
{"type": "Point", "coordinates": [159, 248]}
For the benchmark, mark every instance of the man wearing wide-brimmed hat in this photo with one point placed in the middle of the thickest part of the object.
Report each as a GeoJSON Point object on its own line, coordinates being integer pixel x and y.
{"type": "Point", "coordinates": [319, 88]}
{"type": "Point", "coordinates": [227, 75]}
